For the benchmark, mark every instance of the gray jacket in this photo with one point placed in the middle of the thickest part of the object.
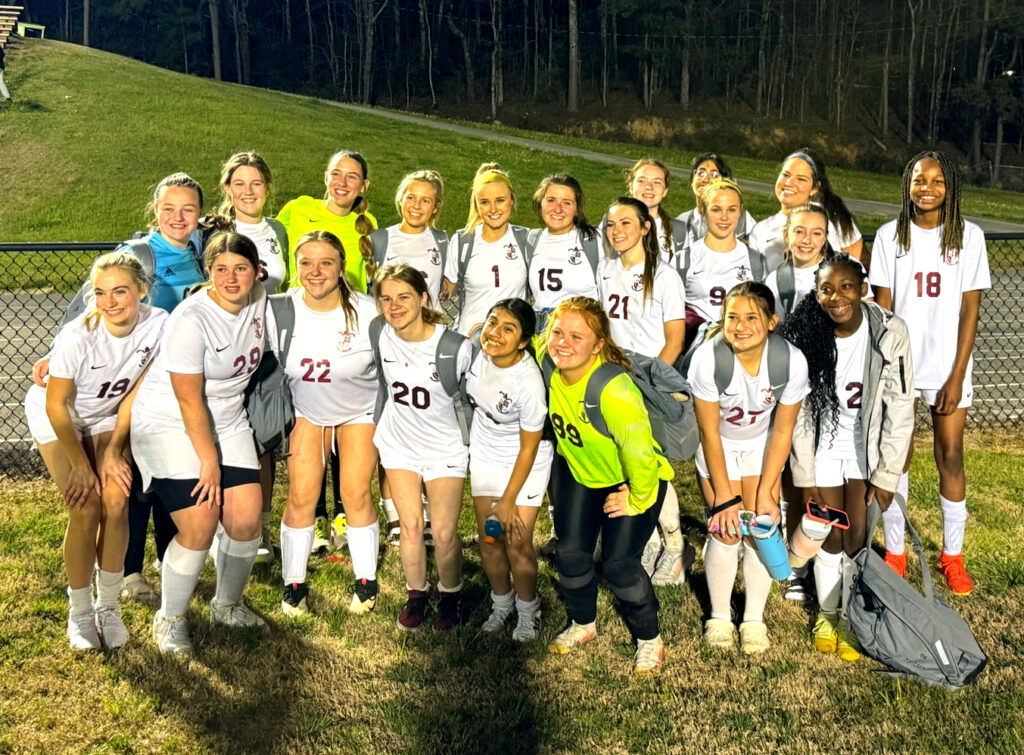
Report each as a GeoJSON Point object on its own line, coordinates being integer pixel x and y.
{"type": "Point", "coordinates": [886, 418]}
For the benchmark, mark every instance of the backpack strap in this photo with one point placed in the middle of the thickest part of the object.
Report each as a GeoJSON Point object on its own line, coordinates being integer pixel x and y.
{"type": "Point", "coordinates": [547, 369]}
{"type": "Point", "coordinates": [379, 242]}
{"type": "Point", "coordinates": [446, 359]}
{"type": "Point", "coordinates": [591, 250]}
{"type": "Point", "coordinates": [532, 237]}
{"type": "Point", "coordinates": [441, 239]}
{"type": "Point", "coordinates": [373, 331]}
{"type": "Point", "coordinates": [283, 308]}
{"type": "Point", "coordinates": [724, 363]}
{"type": "Point", "coordinates": [464, 245]}
{"type": "Point", "coordinates": [785, 279]}
{"type": "Point", "coordinates": [282, 241]}
{"type": "Point", "coordinates": [140, 247]}
{"type": "Point", "coordinates": [778, 364]}
{"type": "Point", "coordinates": [522, 237]}
{"type": "Point", "coordinates": [756, 265]}
{"type": "Point", "coordinates": [599, 378]}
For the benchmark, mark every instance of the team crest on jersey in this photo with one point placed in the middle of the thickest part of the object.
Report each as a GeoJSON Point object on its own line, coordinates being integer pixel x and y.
{"type": "Point", "coordinates": [345, 340]}
{"type": "Point", "coordinates": [274, 247]}
{"type": "Point", "coordinates": [257, 326]}
{"type": "Point", "coordinates": [638, 283]}
{"type": "Point", "coordinates": [742, 273]}
{"type": "Point", "coordinates": [435, 256]}
{"type": "Point", "coordinates": [767, 396]}
{"type": "Point", "coordinates": [511, 252]}
{"type": "Point", "coordinates": [503, 403]}
{"type": "Point", "coordinates": [433, 373]}
{"type": "Point", "coordinates": [147, 352]}
{"type": "Point", "coordinates": [583, 414]}
{"type": "Point", "coordinates": [575, 256]}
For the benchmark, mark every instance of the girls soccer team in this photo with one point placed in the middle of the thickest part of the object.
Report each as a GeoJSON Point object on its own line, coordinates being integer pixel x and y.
{"type": "Point", "coordinates": [831, 391]}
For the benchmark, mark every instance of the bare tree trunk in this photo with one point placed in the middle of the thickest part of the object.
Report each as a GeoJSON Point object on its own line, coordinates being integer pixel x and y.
{"type": "Point", "coordinates": [286, 12]}
{"type": "Point", "coordinates": [979, 79]}
{"type": "Point", "coordinates": [913, 8]}
{"type": "Point", "coordinates": [215, 38]}
{"type": "Point", "coordinates": [85, 23]}
{"type": "Point", "coordinates": [684, 76]}
{"type": "Point", "coordinates": [496, 95]}
{"type": "Point", "coordinates": [762, 61]}
{"type": "Point", "coordinates": [312, 43]}
{"type": "Point", "coordinates": [536, 50]}
{"type": "Point", "coordinates": [467, 58]}
{"type": "Point", "coordinates": [883, 115]}
{"type": "Point", "coordinates": [574, 57]}
{"type": "Point", "coordinates": [184, 39]}
{"type": "Point", "coordinates": [429, 51]}
{"type": "Point", "coordinates": [332, 50]}
{"type": "Point", "coordinates": [604, 56]}
{"type": "Point", "coordinates": [370, 17]}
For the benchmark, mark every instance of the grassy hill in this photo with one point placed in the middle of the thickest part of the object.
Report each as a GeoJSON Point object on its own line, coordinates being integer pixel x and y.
{"type": "Point", "coordinates": [90, 134]}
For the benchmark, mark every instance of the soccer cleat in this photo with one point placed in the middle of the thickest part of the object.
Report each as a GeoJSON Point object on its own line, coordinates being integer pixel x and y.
{"type": "Point", "coordinates": [754, 637]}
{"type": "Point", "coordinates": [897, 562]}
{"type": "Point", "coordinates": [720, 633]}
{"type": "Point", "coordinates": [500, 619]}
{"type": "Point", "coordinates": [548, 549]}
{"type": "Point", "coordinates": [449, 611]}
{"type": "Point", "coordinates": [527, 626]}
{"type": "Point", "coordinates": [650, 654]}
{"type": "Point", "coordinates": [394, 533]}
{"type": "Point", "coordinates": [111, 628]}
{"type": "Point", "coordinates": [955, 572]}
{"type": "Point", "coordinates": [82, 634]}
{"type": "Point", "coordinates": [649, 559]}
{"type": "Point", "coordinates": [847, 646]}
{"type": "Point", "coordinates": [339, 532]}
{"type": "Point", "coordinates": [572, 637]}
{"type": "Point", "coordinates": [796, 589]}
{"type": "Point", "coordinates": [670, 568]}
{"type": "Point", "coordinates": [824, 634]}
{"type": "Point", "coordinates": [415, 610]}
{"type": "Point", "coordinates": [321, 536]}
{"type": "Point", "coordinates": [234, 615]}
{"type": "Point", "coordinates": [295, 601]}
{"type": "Point", "coordinates": [171, 634]}
{"type": "Point", "coordinates": [364, 596]}
{"type": "Point", "coordinates": [265, 550]}
{"type": "Point", "coordinates": [135, 587]}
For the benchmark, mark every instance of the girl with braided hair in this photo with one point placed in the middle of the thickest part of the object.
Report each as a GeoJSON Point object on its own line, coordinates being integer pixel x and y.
{"type": "Point", "coordinates": [856, 424]}
{"type": "Point", "coordinates": [930, 266]}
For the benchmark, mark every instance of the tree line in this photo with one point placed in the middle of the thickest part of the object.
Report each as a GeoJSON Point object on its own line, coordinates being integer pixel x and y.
{"type": "Point", "coordinates": [908, 72]}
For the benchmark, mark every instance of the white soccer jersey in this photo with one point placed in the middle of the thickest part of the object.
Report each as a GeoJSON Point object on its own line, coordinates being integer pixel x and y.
{"type": "Point", "coordinates": [747, 404]}
{"type": "Point", "coordinates": [639, 324]}
{"type": "Point", "coordinates": [560, 270]}
{"type": "Point", "coordinates": [419, 417]}
{"type": "Point", "coordinates": [202, 338]}
{"type": "Point", "coordinates": [803, 284]}
{"type": "Point", "coordinates": [103, 367]}
{"type": "Point", "coordinates": [712, 274]}
{"type": "Point", "coordinates": [496, 271]}
{"type": "Point", "coordinates": [852, 351]}
{"type": "Point", "coordinates": [273, 267]}
{"type": "Point", "coordinates": [927, 292]}
{"type": "Point", "coordinates": [505, 401]}
{"type": "Point", "coordinates": [330, 366]}
{"type": "Point", "coordinates": [420, 251]}
{"type": "Point", "coordinates": [767, 238]}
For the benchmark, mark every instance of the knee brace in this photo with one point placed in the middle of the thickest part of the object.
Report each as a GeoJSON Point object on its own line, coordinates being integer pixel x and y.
{"type": "Point", "coordinates": [575, 568]}
{"type": "Point", "coordinates": [628, 580]}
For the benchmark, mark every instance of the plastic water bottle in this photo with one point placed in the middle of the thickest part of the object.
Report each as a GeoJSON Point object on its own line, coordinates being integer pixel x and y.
{"type": "Point", "coordinates": [807, 540]}
{"type": "Point", "coordinates": [492, 530]}
{"type": "Point", "coordinates": [768, 541]}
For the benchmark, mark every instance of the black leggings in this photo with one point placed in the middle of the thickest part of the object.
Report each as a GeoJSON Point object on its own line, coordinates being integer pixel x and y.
{"type": "Point", "coordinates": [139, 506]}
{"type": "Point", "coordinates": [579, 518]}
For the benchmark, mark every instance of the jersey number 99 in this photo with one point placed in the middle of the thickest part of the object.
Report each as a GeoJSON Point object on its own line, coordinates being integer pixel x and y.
{"type": "Point", "coordinates": [566, 430]}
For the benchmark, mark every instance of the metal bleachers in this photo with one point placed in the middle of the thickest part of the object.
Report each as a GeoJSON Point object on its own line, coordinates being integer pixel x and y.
{"type": "Point", "coordinates": [8, 19]}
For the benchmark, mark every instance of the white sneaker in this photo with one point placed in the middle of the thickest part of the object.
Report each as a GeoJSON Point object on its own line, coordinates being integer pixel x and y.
{"type": "Point", "coordinates": [82, 634]}
{"type": "Point", "coordinates": [237, 615]}
{"type": "Point", "coordinates": [265, 550]}
{"type": "Point", "coordinates": [500, 618]}
{"type": "Point", "coordinates": [649, 559]}
{"type": "Point", "coordinates": [650, 654]}
{"type": "Point", "coordinates": [527, 626]}
{"type": "Point", "coordinates": [321, 536]}
{"type": "Point", "coordinates": [171, 634]}
{"type": "Point", "coordinates": [111, 628]}
{"type": "Point", "coordinates": [572, 637]}
{"type": "Point", "coordinates": [670, 568]}
{"type": "Point", "coordinates": [135, 587]}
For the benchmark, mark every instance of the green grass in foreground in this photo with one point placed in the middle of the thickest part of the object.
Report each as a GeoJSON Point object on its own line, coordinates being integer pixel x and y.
{"type": "Point", "coordinates": [90, 134]}
{"type": "Point", "coordinates": [335, 682]}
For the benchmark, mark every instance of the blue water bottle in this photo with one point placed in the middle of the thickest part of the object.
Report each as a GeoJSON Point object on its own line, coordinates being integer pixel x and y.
{"type": "Point", "coordinates": [492, 530]}
{"type": "Point", "coordinates": [770, 546]}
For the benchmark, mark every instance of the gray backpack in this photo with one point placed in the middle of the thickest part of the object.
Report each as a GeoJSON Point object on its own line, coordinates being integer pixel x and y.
{"type": "Point", "coordinates": [778, 360]}
{"type": "Point", "coordinates": [446, 361]}
{"type": "Point", "coordinates": [268, 399]}
{"type": "Point", "coordinates": [916, 636]}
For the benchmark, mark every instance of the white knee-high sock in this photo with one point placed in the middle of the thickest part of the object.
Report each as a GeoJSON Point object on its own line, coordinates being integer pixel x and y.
{"type": "Point", "coordinates": [893, 522]}
{"type": "Point", "coordinates": [954, 523]}
{"type": "Point", "coordinates": [180, 573]}
{"type": "Point", "coordinates": [234, 562]}
{"type": "Point", "coordinates": [757, 582]}
{"type": "Point", "coordinates": [295, 545]}
{"type": "Point", "coordinates": [363, 545]}
{"type": "Point", "coordinates": [828, 580]}
{"type": "Point", "coordinates": [721, 562]}
{"type": "Point", "coordinates": [668, 520]}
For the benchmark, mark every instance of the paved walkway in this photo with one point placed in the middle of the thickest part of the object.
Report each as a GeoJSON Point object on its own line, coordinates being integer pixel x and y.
{"type": "Point", "coordinates": [858, 206]}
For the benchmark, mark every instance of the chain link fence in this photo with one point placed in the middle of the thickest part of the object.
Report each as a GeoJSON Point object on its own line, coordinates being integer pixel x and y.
{"type": "Point", "coordinates": [38, 281]}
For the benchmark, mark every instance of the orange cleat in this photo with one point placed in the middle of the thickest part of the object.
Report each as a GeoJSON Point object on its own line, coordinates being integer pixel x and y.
{"type": "Point", "coordinates": [897, 562]}
{"type": "Point", "coordinates": [956, 574]}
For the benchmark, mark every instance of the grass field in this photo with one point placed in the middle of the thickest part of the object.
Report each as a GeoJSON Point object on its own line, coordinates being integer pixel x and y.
{"type": "Point", "coordinates": [340, 683]}
{"type": "Point", "coordinates": [90, 134]}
